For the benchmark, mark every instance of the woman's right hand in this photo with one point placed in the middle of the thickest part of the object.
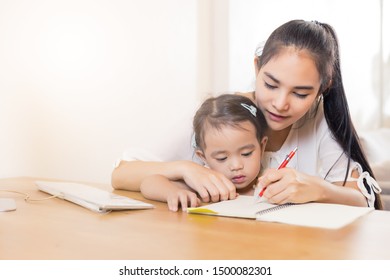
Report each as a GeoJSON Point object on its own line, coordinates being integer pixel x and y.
{"type": "Point", "coordinates": [210, 185]}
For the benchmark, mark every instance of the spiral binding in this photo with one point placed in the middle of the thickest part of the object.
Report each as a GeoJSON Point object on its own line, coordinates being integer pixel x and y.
{"type": "Point", "coordinates": [275, 208]}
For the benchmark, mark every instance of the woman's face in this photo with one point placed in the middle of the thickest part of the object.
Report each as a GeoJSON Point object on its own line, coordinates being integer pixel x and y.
{"type": "Point", "coordinates": [286, 87]}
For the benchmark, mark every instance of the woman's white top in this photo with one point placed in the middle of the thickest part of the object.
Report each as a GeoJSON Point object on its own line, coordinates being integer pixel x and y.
{"type": "Point", "coordinates": [318, 153]}
{"type": "Point", "coordinates": [174, 144]}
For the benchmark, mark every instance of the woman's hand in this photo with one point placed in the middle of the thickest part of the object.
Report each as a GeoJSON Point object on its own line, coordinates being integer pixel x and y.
{"type": "Point", "coordinates": [209, 184]}
{"type": "Point", "coordinates": [289, 185]}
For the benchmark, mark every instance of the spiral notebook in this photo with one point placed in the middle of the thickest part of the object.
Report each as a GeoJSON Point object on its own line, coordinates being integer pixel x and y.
{"type": "Point", "coordinates": [313, 214]}
{"type": "Point", "coordinates": [91, 198]}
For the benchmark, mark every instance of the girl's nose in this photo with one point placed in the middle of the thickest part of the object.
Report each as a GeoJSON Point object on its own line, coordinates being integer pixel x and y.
{"type": "Point", "coordinates": [236, 164]}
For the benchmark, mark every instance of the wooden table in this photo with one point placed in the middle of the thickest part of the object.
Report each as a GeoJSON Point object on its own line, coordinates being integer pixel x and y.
{"type": "Point", "coordinates": [57, 229]}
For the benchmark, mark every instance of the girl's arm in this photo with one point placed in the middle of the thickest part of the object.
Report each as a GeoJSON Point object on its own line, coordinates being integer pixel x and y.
{"type": "Point", "coordinates": [174, 193]}
{"type": "Point", "coordinates": [209, 184]}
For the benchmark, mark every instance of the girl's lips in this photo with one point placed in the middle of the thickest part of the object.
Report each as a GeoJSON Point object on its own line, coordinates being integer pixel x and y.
{"type": "Point", "coordinates": [238, 179]}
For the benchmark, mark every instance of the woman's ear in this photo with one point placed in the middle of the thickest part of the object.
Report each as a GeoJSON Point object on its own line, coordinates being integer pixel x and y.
{"type": "Point", "coordinates": [329, 84]}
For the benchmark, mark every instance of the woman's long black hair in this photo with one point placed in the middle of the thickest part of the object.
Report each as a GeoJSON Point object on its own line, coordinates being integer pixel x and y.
{"type": "Point", "coordinates": [320, 41]}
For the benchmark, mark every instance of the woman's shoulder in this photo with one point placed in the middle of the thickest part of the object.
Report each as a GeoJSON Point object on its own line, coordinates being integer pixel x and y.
{"type": "Point", "coordinates": [313, 119]}
{"type": "Point", "coordinates": [312, 127]}
{"type": "Point", "coordinates": [250, 95]}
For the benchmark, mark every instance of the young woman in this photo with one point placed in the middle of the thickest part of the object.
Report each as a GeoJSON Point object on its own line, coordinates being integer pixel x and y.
{"type": "Point", "coordinates": [299, 89]}
{"type": "Point", "coordinates": [229, 138]}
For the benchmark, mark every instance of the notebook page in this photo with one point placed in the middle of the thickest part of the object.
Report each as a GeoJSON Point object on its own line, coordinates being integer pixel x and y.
{"type": "Point", "coordinates": [244, 206]}
{"type": "Point", "coordinates": [321, 215]}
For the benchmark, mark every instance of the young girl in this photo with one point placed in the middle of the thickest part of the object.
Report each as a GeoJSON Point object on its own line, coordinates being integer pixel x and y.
{"type": "Point", "coordinates": [299, 89]}
{"type": "Point", "coordinates": [228, 138]}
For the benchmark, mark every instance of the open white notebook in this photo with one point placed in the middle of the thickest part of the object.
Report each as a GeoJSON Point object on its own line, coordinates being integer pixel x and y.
{"type": "Point", "coordinates": [90, 197]}
{"type": "Point", "coordinates": [321, 215]}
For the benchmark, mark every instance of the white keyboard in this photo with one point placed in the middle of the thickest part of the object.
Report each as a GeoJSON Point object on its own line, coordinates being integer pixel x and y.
{"type": "Point", "coordinates": [90, 197]}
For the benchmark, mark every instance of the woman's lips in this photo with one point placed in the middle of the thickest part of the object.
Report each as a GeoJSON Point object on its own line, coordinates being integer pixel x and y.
{"type": "Point", "coordinates": [275, 117]}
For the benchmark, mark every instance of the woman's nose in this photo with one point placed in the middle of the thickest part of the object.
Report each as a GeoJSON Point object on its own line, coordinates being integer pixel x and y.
{"type": "Point", "coordinates": [281, 102]}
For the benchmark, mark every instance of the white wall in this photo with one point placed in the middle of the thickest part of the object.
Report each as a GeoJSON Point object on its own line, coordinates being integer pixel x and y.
{"type": "Point", "coordinates": [385, 78]}
{"type": "Point", "coordinates": [80, 80]}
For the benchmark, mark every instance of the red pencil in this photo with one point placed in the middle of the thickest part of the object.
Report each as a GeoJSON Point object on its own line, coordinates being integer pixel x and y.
{"type": "Point", "coordinates": [282, 165]}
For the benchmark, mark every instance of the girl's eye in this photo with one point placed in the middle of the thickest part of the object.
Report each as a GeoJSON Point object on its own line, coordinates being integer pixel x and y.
{"type": "Point", "coordinates": [269, 86]}
{"type": "Point", "coordinates": [221, 159]}
{"type": "Point", "coordinates": [247, 154]}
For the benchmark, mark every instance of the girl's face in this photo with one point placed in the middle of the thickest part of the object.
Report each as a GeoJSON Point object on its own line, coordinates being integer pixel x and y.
{"type": "Point", "coordinates": [286, 87]}
{"type": "Point", "coordinates": [234, 152]}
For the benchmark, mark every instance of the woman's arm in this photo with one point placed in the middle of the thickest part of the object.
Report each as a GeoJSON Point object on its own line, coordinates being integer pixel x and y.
{"type": "Point", "coordinates": [289, 185]}
{"type": "Point", "coordinates": [130, 174]}
{"type": "Point", "coordinates": [174, 193]}
{"type": "Point", "coordinates": [320, 156]}
{"type": "Point", "coordinates": [209, 184]}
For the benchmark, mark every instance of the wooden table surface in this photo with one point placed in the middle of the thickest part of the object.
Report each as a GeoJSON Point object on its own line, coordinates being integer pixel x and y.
{"type": "Point", "coordinates": [57, 229]}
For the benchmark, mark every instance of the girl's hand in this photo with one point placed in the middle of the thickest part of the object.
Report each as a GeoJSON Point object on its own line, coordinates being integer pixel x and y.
{"type": "Point", "coordinates": [209, 184]}
{"type": "Point", "coordinates": [183, 198]}
{"type": "Point", "coordinates": [289, 185]}
{"type": "Point", "coordinates": [174, 193]}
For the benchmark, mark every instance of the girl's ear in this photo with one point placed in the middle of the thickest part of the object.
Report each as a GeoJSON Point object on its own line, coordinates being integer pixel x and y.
{"type": "Point", "coordinates": [200, 154]}
{"type": "Point", "coordinates": [263, 143]}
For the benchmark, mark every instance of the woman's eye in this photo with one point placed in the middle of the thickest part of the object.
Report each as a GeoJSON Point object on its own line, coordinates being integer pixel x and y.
{"type": "Point", "coordinates": [269, 86]}
{"type": "Point", "coordinates": [300, 95]}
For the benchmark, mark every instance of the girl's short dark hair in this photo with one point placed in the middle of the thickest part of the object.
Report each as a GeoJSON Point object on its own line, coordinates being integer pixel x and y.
{"type": "Point", "coordinates": [226, 110]}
